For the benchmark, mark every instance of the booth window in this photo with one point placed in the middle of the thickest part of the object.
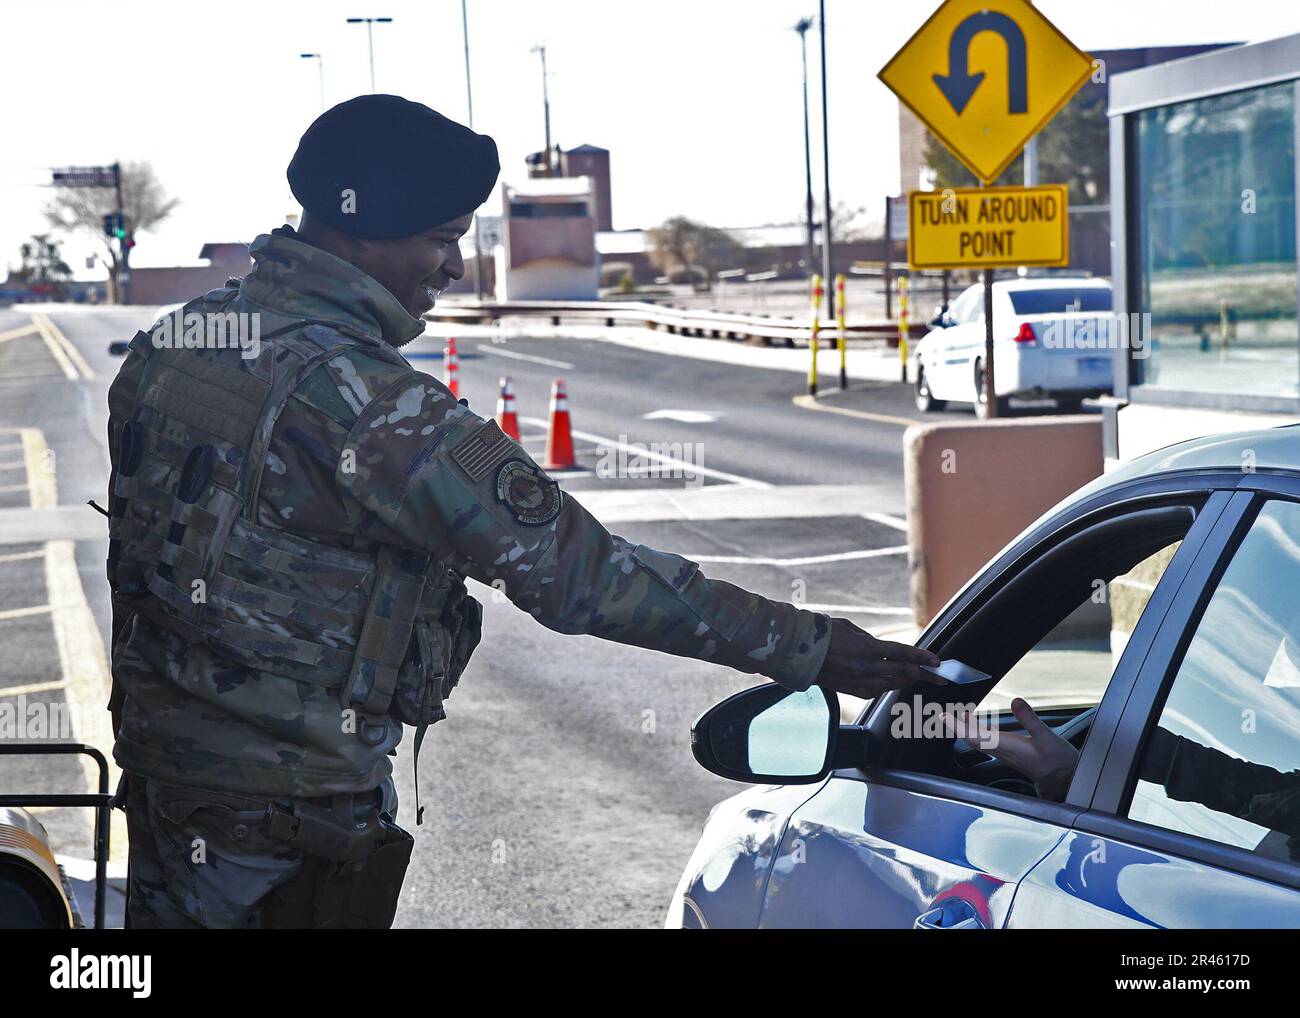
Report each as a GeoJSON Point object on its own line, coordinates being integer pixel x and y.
{"type": "Point", "coordinates": [1216, 243]}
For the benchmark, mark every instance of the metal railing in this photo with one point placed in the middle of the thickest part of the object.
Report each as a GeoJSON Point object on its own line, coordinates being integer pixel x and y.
{"type": "Point", "coordinates": [678, 321]}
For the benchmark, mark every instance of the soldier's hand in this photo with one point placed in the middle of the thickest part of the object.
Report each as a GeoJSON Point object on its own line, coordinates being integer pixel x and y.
{"type": "Point", "coordinates": [860, 665]}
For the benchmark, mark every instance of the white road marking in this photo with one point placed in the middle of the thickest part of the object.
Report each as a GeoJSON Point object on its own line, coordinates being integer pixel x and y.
{"type": "Point", "coordinates": [806, 560]}
{"type": "Point", "coordinates": [897, 522]}
{"type": "Point", "coordinates": [531, 358]}
{"type": "Point", "coordinates": [642, 451]}
{"type": "Point", "coordinates": [685, 416]}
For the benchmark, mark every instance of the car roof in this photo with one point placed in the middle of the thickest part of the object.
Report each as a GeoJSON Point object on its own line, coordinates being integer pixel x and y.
{"type": "Point", "coordinates": [1052, 283]}
{"type": "Point", "coordinates": [1262, 449]}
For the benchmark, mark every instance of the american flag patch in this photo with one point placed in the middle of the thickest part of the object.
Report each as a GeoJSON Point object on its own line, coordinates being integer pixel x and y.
{"type": "Point", "coordinates": [480, 450]}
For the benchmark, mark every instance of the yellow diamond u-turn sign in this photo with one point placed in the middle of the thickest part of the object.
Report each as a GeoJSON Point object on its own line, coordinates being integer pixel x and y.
{"type": "Point", "coordinates": [985, 76]}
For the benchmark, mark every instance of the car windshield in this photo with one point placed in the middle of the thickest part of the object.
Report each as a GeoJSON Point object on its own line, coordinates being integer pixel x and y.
{"type": "Point", "coordinates": [1059, 300]}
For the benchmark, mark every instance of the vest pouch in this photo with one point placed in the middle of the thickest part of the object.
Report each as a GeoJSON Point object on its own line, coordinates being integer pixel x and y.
{"type": "Point", "coordinates": [417, 698]}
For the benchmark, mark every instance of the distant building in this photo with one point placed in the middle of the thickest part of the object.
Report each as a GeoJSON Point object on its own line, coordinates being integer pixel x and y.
{"type": "Point", "coordinates": [548, 240]}
{"type": "Point", "coordinates": [173, 284]}
{"type": "Point", "coordinates": [584, 161]}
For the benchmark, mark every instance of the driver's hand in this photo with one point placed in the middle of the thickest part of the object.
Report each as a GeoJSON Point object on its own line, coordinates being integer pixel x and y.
{"type": "Point", "coordinates": [1037, 752]}
{"type": "Point", "coordinates": [860, 665]}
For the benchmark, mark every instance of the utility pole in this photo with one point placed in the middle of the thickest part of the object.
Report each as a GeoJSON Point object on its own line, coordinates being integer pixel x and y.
{"type": "Point", "coordinates": [320, 71]}
{"type": "Point", "coordinates": [469, 104]}
{"type": "Point", "coordinates": [126, 241]}
{"type": "Point", "coordinates": [810, 258]}
{"type": "Point", "coordinates": [827, 240]}
{"type": "Point", "coordinates": [370, 41]}
{"type": "Point", "coordinates": [546, 109]}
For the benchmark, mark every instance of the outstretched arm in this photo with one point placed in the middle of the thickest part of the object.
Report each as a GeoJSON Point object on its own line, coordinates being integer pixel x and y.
{"type": "Point", "coordinates": [445, 480]}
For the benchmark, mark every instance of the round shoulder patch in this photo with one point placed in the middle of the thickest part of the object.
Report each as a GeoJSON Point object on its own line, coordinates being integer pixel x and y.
{"type": "Point", "coordinates": [532, 499]}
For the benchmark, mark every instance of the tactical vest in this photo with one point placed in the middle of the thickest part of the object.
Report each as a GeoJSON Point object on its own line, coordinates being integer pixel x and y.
{"type": "Point", "coordinates": [389, 629]}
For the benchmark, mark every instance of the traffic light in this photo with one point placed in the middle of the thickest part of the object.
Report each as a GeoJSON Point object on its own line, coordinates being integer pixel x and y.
{"type": "Point", "coordinates": [128, 241]}
{"type": "Point", "coordinates": [115, 225]}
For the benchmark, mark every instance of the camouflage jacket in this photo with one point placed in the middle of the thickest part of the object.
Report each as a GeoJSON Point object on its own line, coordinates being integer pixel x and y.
{"type": "Point", "coordinates": [370, 450]}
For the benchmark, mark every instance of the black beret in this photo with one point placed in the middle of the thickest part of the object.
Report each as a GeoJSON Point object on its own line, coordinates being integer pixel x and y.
{"type": "Point", "coordinates": [408, 168]}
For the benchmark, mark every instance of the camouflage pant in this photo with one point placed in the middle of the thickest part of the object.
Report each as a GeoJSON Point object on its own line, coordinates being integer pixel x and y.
{"type": "Point", "coordinates": [204, 866]}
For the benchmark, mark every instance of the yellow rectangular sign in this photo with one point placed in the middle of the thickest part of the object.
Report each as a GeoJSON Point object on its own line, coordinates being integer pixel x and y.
{"type": "Point", "coordinates": [987, 227]}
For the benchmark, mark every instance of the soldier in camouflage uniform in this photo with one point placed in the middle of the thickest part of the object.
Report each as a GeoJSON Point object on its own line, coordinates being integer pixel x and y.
{"type": "Point", "coordinates": [291, 527]}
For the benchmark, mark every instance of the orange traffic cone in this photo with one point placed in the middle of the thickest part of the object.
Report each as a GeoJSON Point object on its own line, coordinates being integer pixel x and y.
{"type": "Point", "coordinates": [559, 440]}
{"type": "Point", "coordinates": [451, 367]}
{"type": "Point", "coordinates": [507, 418]}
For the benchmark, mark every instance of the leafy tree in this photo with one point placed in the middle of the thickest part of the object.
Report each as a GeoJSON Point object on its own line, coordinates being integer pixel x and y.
{"type": "Point", "coordinates": [682, 246]}
{"type": "Point", "coordinates": [82, 210]}
{"type": "Point", "coordinates": [43, 264]}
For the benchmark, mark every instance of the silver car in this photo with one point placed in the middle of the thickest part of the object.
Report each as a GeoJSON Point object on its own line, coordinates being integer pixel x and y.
{"type": "Point", "coordinates": [1152, 620]}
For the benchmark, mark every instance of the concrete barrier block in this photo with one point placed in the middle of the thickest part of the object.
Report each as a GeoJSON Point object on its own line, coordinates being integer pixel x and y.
{"type": "Point", "coordinates": [973, 486]}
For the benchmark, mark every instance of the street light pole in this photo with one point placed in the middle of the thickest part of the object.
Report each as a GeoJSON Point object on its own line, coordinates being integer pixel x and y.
{"type": "Point", "coordinates": [469, 104]}
{"type": "Point", "coordinates": [320, 68]}
{"type": "Point", "coordinates": [810, 257]}
{"type": "Point", "coordinates": [546, 108]}
{"type": "Point", "coordinates": [828, 272]}
{"type": "Point", "coordinates": [370, 41]}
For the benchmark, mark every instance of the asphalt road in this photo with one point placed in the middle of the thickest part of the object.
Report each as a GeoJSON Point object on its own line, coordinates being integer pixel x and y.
{"type": "Point", "coordinates": [561, 790]}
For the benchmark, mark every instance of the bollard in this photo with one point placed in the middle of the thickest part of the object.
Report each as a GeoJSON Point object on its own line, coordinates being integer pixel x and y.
{"type": "Point", "coordinates": [817, 294]}
{"type": "Point", "coordinates": [839, 318]}
{"type": "Point", "coordinates": [902, 327]}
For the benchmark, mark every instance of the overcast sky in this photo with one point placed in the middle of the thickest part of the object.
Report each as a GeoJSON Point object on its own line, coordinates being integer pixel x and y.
{"type": "Point", "coordinates": [697, 100]}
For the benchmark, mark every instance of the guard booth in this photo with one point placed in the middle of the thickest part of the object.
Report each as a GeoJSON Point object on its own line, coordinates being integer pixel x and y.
{"type": "Point", "coordinates": [548, 240]}
{"type": "Point", "coordinates": [1203, 216]}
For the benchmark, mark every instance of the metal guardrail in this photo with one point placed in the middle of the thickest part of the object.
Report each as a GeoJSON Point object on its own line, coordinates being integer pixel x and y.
{"type": "Point", "coordinates": [678, 321]}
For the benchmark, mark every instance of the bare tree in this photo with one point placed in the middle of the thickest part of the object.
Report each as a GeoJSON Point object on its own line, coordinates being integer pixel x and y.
{"type": "Point", "coordinates": [82, 210]}
{"type": "Point", "coordinates": [691, 249]}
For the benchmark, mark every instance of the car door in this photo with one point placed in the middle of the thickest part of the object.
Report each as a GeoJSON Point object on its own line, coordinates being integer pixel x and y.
{"type": "Point", "coordinates": [925, 834]}
{"type": "Point", "coordinates": [952, 350]}
{"type": "Point", "coordinates": [1195, 819]}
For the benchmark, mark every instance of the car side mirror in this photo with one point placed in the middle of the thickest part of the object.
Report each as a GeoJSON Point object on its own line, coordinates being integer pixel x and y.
{"type": "Point", "coordinates": [769, 734]}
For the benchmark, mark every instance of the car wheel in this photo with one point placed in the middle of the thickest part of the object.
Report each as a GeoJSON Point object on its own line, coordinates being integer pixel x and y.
{"type": "Point", "coordinates": [1002, 403]}
{"type": "Point", "coordinates": [925, 402]}
{"type": "Point", "coordinates": [1069, 404]}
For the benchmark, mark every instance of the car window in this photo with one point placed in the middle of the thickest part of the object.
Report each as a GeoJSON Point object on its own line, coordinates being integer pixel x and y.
{"type": "Point", "coordinates": [964, 310]}
{"type": "Point", "coordinates": [1060, 300]}
{"type": "Point", "coordinates": [1071, 666]}
{"type": "Point", "coordinates": [1223, 761]}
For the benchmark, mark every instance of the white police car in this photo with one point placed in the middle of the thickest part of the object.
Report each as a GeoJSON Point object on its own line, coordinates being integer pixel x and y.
{"type": "Point", "coordinates": [1053, 338]}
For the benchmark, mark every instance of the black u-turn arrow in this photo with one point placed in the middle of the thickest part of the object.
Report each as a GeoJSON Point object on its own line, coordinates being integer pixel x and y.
{"type": "Point", "coordinates": [958, 85]}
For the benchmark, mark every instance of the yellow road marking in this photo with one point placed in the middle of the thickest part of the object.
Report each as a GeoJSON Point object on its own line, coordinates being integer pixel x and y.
{"type": "Point", "coordinates": [34, 687]}
{"type": "Point", "coordinates": [26, 330]}
{"type": "Point", "coordinates": [20, 555]}
{"type": "Point", "coordinates": [56, 351]}
{"type": "Point", "coordinates": [40, 469]}
{"type": "Point", "coordinates": [811, 403]}
{"type": "Point", "coordinates": [22, 613]}
{"type": "Point", "coordinates": [84, 666]}
{"type": "Point", "coordinates": [47, 326]}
